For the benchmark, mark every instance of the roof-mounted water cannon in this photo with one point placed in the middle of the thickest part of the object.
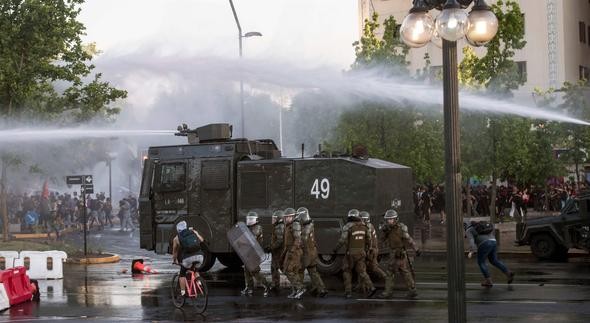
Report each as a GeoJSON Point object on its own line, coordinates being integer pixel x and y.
{"type": "Point", "coordinates": [210, 133]}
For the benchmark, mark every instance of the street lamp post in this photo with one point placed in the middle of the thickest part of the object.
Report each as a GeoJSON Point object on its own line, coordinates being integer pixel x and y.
{"type": "Point", "coordinates": [240, 36]}
{"type": "Point", "coordinates": [111, 157]}
{"type": "Point", "coordinates": [417, 30]}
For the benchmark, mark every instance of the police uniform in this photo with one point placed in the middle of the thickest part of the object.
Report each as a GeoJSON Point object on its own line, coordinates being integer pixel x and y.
{"type": "Point", "coordinates": [372, 261]}
{"type": "Point", "coordinates": [310, 258]}
{"type": "Point", "coordinates": [356, 238]}
{"type": "Point", "coordinates": [276, 249]}
{"type": "Point", "coordinates": [396, 237]}
{"type": "Point", "coordinates": [293, 252]}
{"type": "Point", "coordinates": [249, 276]}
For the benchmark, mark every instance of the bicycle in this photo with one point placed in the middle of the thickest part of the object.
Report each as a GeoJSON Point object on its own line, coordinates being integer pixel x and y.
{"type": "Point", "coordinates": [196, 290]}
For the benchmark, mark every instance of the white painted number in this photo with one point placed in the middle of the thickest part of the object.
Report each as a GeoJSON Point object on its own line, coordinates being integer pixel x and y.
{"type": "Point", "coordinates": [321, 188]}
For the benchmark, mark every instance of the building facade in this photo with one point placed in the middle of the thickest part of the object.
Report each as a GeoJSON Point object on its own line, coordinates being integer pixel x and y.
{"type": "Point", "coordinates": [557, 34]}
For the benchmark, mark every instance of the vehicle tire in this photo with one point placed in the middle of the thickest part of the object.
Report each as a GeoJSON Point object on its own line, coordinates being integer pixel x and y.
{"type": "Point", "coordinates": [177, 298]}
{"type": "Point", "coordinates": [208, 261]}
{"type": "Point", "coordinates": [544, 247]}
{"type": "Point", "coordinates": [201, 292]}
{"type": "Point", "coordinates": [230, 260]}
{"type": "Point", "coordinates": [329, 264]}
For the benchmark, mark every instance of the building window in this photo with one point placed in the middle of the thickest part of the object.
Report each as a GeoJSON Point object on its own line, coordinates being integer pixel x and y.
{"type": "Point", "coordinates": [584, 73]}
{"type": "Point", "coordinates": [521, 71]}
{"type": "Point", "coordinates": [582, 26]}
{"type": "Point", "coordinates": [588, 35]}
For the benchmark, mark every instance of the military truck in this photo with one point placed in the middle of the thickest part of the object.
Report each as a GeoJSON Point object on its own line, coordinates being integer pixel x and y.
{"type": "Point", "coordinates": [213, 181]}
{"type": "Point", "coordinates": [551, 237]}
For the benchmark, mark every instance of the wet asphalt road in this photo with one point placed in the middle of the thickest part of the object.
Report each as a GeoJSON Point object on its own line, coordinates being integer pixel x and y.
{"type": "Point", "coordinates": [542, 292]}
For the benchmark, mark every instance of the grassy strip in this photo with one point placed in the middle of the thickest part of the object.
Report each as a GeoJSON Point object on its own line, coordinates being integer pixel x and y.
{"type": "Point", "coordinates": [20, 245]}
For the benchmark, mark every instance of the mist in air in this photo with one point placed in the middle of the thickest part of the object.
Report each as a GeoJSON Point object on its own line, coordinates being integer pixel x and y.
{"type": "Point", "coordinates": [165, 91]}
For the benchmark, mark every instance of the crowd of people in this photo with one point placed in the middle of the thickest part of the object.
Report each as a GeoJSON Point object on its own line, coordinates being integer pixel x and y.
{"type": "Point", "coordinates": [48, 212]}
{"type": "Point", "coordinates": [511, 201]}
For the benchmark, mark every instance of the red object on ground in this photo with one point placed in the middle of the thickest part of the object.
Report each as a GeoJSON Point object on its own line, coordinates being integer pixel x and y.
{"type": "Point", "coordinates": [45, 191]}
{"type": "Point", "coordinates": [137, 267]}
{"type": "Point", "coordinates": [17, 285]}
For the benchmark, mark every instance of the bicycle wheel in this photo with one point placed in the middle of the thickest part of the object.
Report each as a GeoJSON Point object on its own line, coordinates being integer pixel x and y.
{"type": "Point", "coordinates": [201, 298]}
{"type": "Point", "coordinates": [177, 297]}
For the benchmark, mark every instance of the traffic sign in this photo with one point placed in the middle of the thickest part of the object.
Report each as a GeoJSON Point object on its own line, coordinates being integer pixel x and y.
{"type": "Point", "coordinates": [87, 179]}
{"type": "Point", "coordinates": [74, 180]}
{"type": "Point", "coordinates": [88, 188]}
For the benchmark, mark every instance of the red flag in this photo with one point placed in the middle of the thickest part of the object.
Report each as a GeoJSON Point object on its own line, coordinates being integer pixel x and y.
{"type": "Point", "coordinates": [45, 192]}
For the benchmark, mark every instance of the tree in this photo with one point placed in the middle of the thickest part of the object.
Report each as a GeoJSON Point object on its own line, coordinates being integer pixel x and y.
{"type": "Point", "coordinates": [404, 136]}
{"type": "Point", "coordinates": [6, 161]}
{"type": "Point", "coordinates": [503, 141]}
{"type": "Point", "coordinates": [576, 137]}
{"type": "Point", "coordinates": [496, 71]}
{"type": "Point", "coordinates": [396, 132]}
{"type": "Point", "coordinates": [388, 53]}
{"type": "Point", "coordinates": [46, 77]}
{"type": "Point", "coordinates": [41, 47]}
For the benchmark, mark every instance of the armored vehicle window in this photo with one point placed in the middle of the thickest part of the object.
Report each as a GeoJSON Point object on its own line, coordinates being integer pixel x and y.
{"type": "Point", "coordinates": [171, 177]}
{"type": "Point", "coordinates": [253, 190]}
{"type": "Point", "coordinates": [146, 181]}
{"type": "Point", "coordinates": [215, 174]}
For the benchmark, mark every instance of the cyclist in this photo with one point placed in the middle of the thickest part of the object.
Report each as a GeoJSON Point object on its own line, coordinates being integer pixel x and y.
{"type": "Point", "coordinates": [185, 251]}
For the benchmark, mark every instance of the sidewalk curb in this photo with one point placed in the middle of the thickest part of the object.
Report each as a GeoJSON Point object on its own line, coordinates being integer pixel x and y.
{"type": "Point", "coordinates": [94, 260]}
{"type": "Point", "coordinates": [38, 235]}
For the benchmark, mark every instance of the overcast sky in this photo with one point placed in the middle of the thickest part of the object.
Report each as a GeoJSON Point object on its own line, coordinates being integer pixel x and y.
{"type": "Point", "coordinates": [318, 31]}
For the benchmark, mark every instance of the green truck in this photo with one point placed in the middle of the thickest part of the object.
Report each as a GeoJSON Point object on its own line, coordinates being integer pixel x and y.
{"type": "Point", "coordinates": [214, 180]}
{"type": "Point", "coordinates": [551, 237]}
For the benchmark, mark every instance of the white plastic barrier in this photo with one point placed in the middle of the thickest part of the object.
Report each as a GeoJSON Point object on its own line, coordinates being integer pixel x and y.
{"type": "Point", "coordinates": [9, 258]}
{"type": "Point", "coordinates": [3, 298]}
{"type": "Point", "coordinates": [38, 265]}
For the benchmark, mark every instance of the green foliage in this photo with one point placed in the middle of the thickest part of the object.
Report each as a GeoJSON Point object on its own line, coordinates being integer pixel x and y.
{"type": "Point", "coordinates": [405, 137]}
{"type": "Point", "coordinates": [506, 147]}
{"type": "Point", "coordinates": [575, 137]}
{"type": "Point", "coordinates": [388, 52]}
{"type": "Point", "coordinates": [496, 71]}
{"type": "Point", "coordinates": [40, 47]}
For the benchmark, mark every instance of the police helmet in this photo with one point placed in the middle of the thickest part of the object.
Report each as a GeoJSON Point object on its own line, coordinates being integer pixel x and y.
{"type": "Point", "coordinates": [278, 215]}
{"type": "Point", "coordinates": [390, 214]}
{"type": "Point", "coordinates": [303, 215]}
{"type": "Point", "coordinates": [365, 216]}
{"type": "Point", "coordinates": [354, 213]}
{"type": "Point", "coordinates": [251, 218]}
{"type": "Point", "coordinates": [289, 211]}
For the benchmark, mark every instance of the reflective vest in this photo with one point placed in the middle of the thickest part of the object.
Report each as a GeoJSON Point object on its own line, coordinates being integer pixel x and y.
{"type": "Point", "coordinates": [357, 238]}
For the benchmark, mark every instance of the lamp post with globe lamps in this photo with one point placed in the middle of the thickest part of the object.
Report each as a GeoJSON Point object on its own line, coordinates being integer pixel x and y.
{"type": "Point", "coordinates": [452, 24]}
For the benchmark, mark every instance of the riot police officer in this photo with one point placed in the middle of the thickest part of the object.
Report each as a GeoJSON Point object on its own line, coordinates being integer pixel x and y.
{"type": "Point", "coordinates": [310, 252]}
{"type": "Point", "coordinates": [292, 253]}
{"type": "Point", "coordinates": [356, 238]}
{"type": "Point", "coordinates": [276, 248]}
{"type": "Point", "coordinates": [249, 276]}
{"type": "Point", "coordinates": [396, 237]}
{"type": "Point", "coordinates": [373, 253]}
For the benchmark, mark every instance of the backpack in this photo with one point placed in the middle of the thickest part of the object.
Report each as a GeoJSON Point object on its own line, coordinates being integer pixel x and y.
{"type": "Point", "coordinates": [484, 227]}
{"type": "Point", "coordinates": [189, 241]}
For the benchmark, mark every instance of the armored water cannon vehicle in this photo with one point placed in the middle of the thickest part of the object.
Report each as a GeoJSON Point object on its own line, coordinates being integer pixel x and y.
{"type": "Point", "coordinates": [214, 181]}
{"type": "Point", "coordinates": [550, 237]}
